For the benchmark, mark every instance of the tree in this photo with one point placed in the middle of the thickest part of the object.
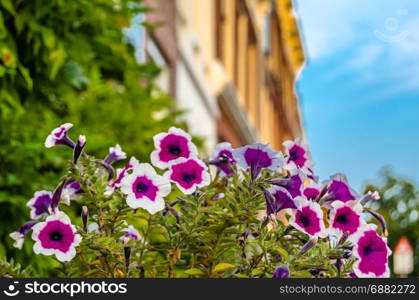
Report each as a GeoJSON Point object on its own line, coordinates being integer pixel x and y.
{"type": "Point", "coordinates": [399, 205]}
{"type": "Point", "coordinates": [66, 61]}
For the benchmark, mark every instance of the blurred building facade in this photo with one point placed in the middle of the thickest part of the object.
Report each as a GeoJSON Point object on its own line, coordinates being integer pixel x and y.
{"type": "Point", "coordinates": [232, 64]}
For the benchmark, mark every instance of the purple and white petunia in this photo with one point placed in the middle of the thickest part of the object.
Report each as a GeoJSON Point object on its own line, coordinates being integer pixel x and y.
{"type": "Point", "coordinates": [120, 174]}
{"type": "Point", "coordinates": [372, 253]}
{"type": "Point", "coordinates": [131, 234]}
{"type": "Point", "coordinates": [339, 189]}
{"type": "Point", "coordinates": [294, 184]}
{"type": "Point", "coordinates": [19, 235]}
{"type": "Point", "coordinates": [257, 157]}
{"type": "Point", "coordinates": [281, 199]}
{"type": "Point", "coordinates": [222, 157]}
{"type": "Point", "coordinates": [72, 191]}
{"type": "Point", "coordinates": [345, 217]}
{"type": "Point", "coordinates": [188, 174]}
{"type": "Point", "coordinates": [297, 156]}
{"type": "Point", "coordinates": [145, 188]}
{"type": "Point", "coordinates": [312, 190]}
{"type": "Point", "coordinates": [56, 236]}
{"type": "Point", "coordinates": [170, 146]}
{"type": "Point", "coordinates": [309, 218]}
{"type": "Point", "coordinates": [282, 272]}
{"type": "Point", "coordinates": [59, 137]}
{"type": "Point", "coordinates": [115, 154]}
{"type": "Point", "coordinates": [40, 204]}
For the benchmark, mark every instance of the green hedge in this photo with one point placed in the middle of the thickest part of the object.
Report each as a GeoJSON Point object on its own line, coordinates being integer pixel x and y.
{"type": "Point", "coordinates": [66, 61]}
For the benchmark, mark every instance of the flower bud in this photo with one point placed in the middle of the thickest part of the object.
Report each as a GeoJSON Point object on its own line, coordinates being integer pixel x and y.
{"type": "Point", "coordinates": [338, 264]}
{"type": "Point", "coordinates": [110, 170]}
{"type": "Point", "coordinates": [81, 142]}
{"type": "Point", "coordinates": [310, 244]}
{"type": "Point", "coordinates": [270, 203]}
{"type": "Point", "coordinates": [343, 238]}
{"type": "Point", "coordinates": [127, 254]}
{"type": "Point", "coordinates": [84, 217]}
{"type": "Point", "coordinates": [56, 197]}
{"type": "Point", "coordinates": [381, 220]}
{"type": "Point", "coordinates": [141, 271]}
{"type": "Point", "coordinates": [370, 196]}
{"type": "Point", "coordinates": [347, 254]}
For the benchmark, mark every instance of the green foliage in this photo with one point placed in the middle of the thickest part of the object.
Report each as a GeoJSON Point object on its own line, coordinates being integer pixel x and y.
{"type": "Point", "coordinates": [13, 269]}
{"type": "Point", "coordinates": [66, 61]}
{"type": "Point", "coordinates": [399, 204]}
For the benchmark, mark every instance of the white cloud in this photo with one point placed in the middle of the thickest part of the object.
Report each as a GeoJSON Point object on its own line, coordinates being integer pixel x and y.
{"type": "Point", "coordinates": [380, 39]}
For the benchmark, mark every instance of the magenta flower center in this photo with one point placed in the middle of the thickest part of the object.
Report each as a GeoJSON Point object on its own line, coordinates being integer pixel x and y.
{"type": "Point", "coordinates": [297, 155]}
{"type": "Point", "coordinates": [187, 173]}
{"type": "Point", "coordinates": [307, 219]}
{"type": "Point", "coordinates": [346, 220]}
{"type": "Point", "coordinates": [56, 235]}
{"type": "Point", "coordinates": [173, 146]}
{"type": "Point", "coordinates": [188, 178]}
{"type": "Point", "coordinates": [144, 187]}
{"type": "Point", "coordinates": [175, 150]}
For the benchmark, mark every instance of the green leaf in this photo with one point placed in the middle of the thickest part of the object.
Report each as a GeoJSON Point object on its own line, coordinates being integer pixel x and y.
{"type": "Point", "coordinates": [281, 251]}
{"type": "Point", "coordinates": [221, 267]}
{"type": "Point", "coordinates": [195, 272]}
{"type": "Point", "coordinates": [7, 4]}
{"type": "Point", "coordinates": [26, 76]}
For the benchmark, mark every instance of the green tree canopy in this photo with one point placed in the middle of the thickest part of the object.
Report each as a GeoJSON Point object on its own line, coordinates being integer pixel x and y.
{"type": "Point", "coordinates": [67, 61]}
{"type": "Point", "coordinates": [399, 205]}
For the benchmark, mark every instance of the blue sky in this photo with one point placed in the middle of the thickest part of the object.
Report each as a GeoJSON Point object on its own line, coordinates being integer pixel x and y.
{"type": "Point", "coordinates": [359, 89]}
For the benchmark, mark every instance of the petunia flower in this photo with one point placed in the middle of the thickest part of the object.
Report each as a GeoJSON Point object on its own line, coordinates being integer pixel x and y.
{"type": "Point", "coordinates": [339, 189]}
{"type": "Point", "coordinates": [40, 204]}
{"type": "Point", "coordinates": [370, 196]}
{"type": "Point", "coordinates": [282, 272]}
{"type": "Point", "coordinates": [293, 184]}
{"type": "Point", "coordinates": [222, 157]}
{"type": "Point", "coordinates": [120, 174]}
{"type": "Point", "coordinates": [257, 157]}
{"type": "Point", "coordinates": [308, 218]}
{"type": "Point", "coordinates": [345, 217]}
{"type": "Point", "coordinates": [372, 253]}
{"type": "Point", "coordinates": [145, 188]}
{"type": "Point", "coordinates": [56, 236]}
{"type": "Point", "coordinates": [72, 191]}
{"type": "Point", "coordinates": [170, 146]}
{"type": "Point", "coordinates": [281, 199]}
{"type": "Point", "coordinates": [115, 154]}
{"type": "Point", "coordinates": [297, 156]}
{"type": "Point", "coordinates": [188, 174]}
{"type": "Point", "coordinates": [59, 137]}
{"type": "Point", "coordinates": [312, 190]}
{"type": "Point", "coordinates": [130, 234]}
{"type": "Point", "coordinates": [19, 235]}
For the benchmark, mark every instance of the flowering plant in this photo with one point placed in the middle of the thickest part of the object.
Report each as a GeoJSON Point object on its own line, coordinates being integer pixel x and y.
{"type": "Point", "coordinates": [247, 212]}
